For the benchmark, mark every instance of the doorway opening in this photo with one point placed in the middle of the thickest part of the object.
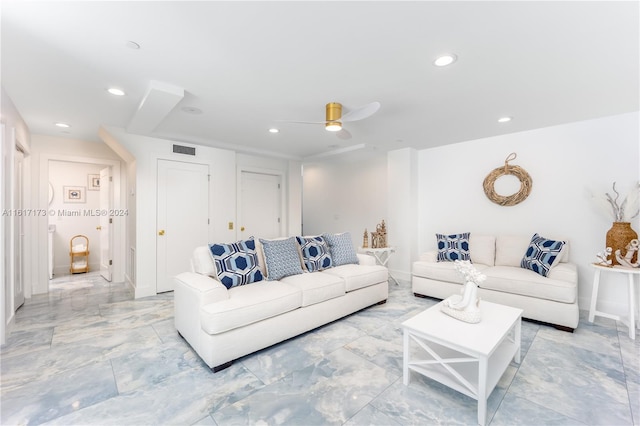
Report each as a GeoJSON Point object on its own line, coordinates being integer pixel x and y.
{"type": "Point", "coordinates": [80, 203]}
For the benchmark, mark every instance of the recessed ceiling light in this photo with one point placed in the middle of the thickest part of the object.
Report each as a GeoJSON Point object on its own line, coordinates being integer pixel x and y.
{"type": "Point", "coordinates": [191, 110]}
{"type": "Point", "coordinates": [504, 119]}
{"type": "Point", "coordinates": [115, 91]}
{"type": "Point", "coordinates": [63, 125]}
{"type": "Point", "coordinates": [274, 130]}
{"type": "Point", "coordinates": [444, 60]}
{"type": "Point", "coordinates": [133, 45]}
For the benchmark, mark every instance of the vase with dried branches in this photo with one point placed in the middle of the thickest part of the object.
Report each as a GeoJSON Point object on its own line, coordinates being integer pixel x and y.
{"type": "Point", "coordinates": [622, 209]}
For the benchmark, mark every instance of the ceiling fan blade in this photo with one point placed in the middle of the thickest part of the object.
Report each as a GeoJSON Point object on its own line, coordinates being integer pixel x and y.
{"type": "Point", "coordinates": [300, 122]}
{"type": "Point", "coordinates": [362, 112]}
{"type": "Point", "coordinates": [343, 134]}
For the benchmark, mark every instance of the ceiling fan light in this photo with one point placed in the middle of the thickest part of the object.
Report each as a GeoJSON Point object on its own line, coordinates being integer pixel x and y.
{"type": "Point", "coordinates": [333, 126]}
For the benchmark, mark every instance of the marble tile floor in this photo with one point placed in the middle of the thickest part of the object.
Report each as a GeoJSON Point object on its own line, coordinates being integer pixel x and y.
{"type": "Point", "coordinates": [87, 353]}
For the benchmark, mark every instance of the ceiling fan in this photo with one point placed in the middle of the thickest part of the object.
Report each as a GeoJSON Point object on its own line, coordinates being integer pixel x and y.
{"type": "Point", "coordinates": [334, 118]}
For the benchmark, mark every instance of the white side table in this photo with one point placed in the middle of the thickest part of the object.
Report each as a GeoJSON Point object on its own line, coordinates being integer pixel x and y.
{"type": "Point", "coordinates": [630, 320]}
{"type": "Point", "coordinates": [382, 256]}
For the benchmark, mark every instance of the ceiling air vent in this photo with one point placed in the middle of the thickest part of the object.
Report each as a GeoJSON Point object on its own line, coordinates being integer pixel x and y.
{"type": "Point", "coordinates": [179, 149]}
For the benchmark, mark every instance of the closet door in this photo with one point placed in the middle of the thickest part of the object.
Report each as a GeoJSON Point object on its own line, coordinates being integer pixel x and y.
{"type": "Point", "coordinates": [182, 218]}
{"type": "Point", "coordinates": [260, 205]}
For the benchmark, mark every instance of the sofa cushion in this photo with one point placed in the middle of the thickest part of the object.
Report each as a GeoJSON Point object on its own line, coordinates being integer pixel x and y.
{"type": "Point", "coordinates": [359, 276]}
{"type": "Point", "coordinates": [453, 247]}
{"type": "Point", "coordinates": [316, 287]}
{"type": "Point", "coordinates": [249, 304]}
{"type": "Point", "coordinates": [203, 263]}
{"type": "Point", "coordinates": [482, 249]}
{"type": "Point", "coordinates": [528, 283]}
{"type": "Point", "coordinates": [542, 255]}
{"type": "Point", "coordinates": [281, 257]}
{"type": "Point", "coordinates": [236, 263]}
{"type": "Point", "coordinates": [315, 253]}
{"type": "Point", "coordinates": [341, 248]}
{"type": "Point", "coordinates": [441, 271]}
{"type": "Point", "coordinates": [510, 249]}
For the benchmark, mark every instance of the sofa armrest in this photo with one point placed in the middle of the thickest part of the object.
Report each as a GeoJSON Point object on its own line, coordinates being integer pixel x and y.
{"type": "Point", "coordinates": [191, 292]}
{"type": "Point", "coordinates": [565, 272]}
{"type": "Point", "coordinates": [429, 256]}
{"type": "Point", "coordinates": [205, 289]}
{"type": "Point", "coordinates": [366, 259]}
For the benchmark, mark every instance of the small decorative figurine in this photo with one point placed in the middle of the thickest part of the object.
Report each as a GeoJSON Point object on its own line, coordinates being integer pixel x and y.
{"type": "Point", "coordinates": [626, 260]}
{"type": "Point", "coordinates": [604, 257]}
{"type": "Point", "coordinates": [379, 237]}
{"type": "Point", "coordinates": [466, 307]}
{"type": "Point", "coordinates": [365, 240]}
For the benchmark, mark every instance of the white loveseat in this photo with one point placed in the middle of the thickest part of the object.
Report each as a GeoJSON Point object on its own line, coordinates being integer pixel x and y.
{"type": "Point", "coordinates": [552, 299]}
{"type": "Point", "coordinates": [223, 324]}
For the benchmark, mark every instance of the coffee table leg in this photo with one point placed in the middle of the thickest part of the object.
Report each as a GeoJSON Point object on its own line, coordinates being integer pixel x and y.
{"type": "Point", "coordinates": [405, 361]}
{"type": "Point", "coordinates": [482, 391]}
{"type": "Point", "coordinates": [517, 339]}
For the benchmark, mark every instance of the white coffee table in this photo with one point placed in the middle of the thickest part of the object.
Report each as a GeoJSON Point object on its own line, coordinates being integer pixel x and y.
{"type": "Point", "coordinates": [470, 358]}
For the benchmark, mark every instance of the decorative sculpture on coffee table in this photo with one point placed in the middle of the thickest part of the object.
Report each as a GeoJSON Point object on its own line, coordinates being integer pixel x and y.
{"type": "Point", "coordinates": [379, 237]}
{"type": "Point", "coordinates": [365, 239]}
{"type": "Point", "coordinates": [631, 249]}
{"type": "Point", "coordinates": [467, 306]}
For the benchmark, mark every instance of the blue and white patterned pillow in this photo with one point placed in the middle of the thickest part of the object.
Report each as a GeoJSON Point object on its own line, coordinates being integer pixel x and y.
{"type": "Point", "coordinates": [236, 263]}
{"type": "Point", "coordinates": [453, 247]}
{"type": "Point", "coordinates": [281, 257]}
{"type": "Point", "coordinates": [315, 253]}
{"type": "Point", "coordinates": [542, 255]}
{"type": "Point", "coordinates": [341, 249]}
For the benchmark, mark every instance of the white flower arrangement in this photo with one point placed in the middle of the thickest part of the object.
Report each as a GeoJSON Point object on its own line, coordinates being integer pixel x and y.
{"type": "Point", "coordinates": [469, 272]}
{"type": "Point", "coordinates": [620, 210]}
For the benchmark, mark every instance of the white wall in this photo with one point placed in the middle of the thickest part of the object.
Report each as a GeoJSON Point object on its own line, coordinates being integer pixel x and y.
{"type": "Point", "coordinates": [71, 218]}
{"type": "Point", "coordinates": [345, 197]}
{"type": "Point", "coordinates": [142, 154]}
{"type": "Point", "coordinates": [14, 133]}
{"type": "Point", "coordinates": [564, 162]}
{"type": "Point", "coordinates": [402, 210]}
{"type": "Point", "coordinates": [440, 190]}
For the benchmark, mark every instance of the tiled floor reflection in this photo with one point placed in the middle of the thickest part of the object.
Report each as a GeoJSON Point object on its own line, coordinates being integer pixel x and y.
{"type": "Point", "coordinates": [87, 353]}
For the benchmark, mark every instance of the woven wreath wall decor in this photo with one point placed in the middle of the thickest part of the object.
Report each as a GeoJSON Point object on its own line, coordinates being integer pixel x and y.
{"type": "Point", "coordinates": [510, 200]}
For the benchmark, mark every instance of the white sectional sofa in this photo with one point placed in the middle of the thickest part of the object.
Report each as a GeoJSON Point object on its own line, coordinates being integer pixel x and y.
{"type": "Point", "coordinates": [552, 299]}
{"type": "Point", "coordinates": [223, 324]}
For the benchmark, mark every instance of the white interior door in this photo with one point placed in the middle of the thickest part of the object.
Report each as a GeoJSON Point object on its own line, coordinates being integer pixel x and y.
{"type": "Point", "coordinates": [182, 217]}
{"type": "Point", "coordinates": [260, 206]}
{"type": "Point", "coordinates": [18, 283]}
{"type": "Point", "coordinates": [106, 223]}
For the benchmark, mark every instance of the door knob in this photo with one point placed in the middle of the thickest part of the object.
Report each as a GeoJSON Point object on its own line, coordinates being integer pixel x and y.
{"type": "Point", "coordinates": [98, 228]}
{"type": "Point", "coordinates": [242, 229]}
{"type": "Point", "coordinates": [161, 232]}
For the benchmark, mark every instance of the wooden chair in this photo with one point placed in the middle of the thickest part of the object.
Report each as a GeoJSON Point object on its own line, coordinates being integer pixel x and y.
{"type": "Point", "coordinates": [79, 253]}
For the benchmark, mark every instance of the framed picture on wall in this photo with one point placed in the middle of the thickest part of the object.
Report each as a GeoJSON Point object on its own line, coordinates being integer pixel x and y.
{"type": "Point", "coordinates": [93, 183]}
{"type": "Point", "coordinates": [74, 194]}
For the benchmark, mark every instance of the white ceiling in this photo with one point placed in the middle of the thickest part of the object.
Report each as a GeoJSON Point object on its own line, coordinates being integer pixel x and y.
{"type": "Point", "coordinates": [247, 65]}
